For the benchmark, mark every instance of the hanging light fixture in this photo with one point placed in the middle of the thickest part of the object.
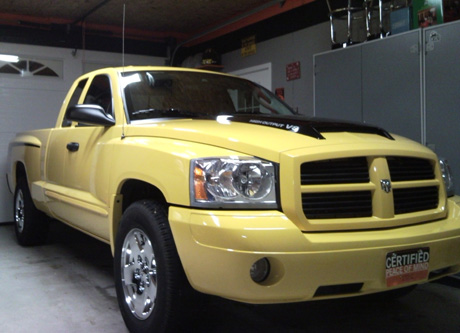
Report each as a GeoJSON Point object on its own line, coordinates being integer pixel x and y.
{"type": "Point", "coordinates": [9, 58]}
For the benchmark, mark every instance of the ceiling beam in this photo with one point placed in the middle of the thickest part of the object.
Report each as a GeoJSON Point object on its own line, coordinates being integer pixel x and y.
{"type": "Point", "coordinates": [241, 21]}
{"type": "Point", "coordinates": [45, 23]}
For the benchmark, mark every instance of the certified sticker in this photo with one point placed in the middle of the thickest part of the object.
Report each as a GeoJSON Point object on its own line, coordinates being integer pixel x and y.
{"type": "Point", "coordinates": [407, 266]}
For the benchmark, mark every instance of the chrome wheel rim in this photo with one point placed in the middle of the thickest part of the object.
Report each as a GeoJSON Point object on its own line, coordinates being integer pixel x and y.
{"type": "Point", "coordinates": [19, 211]}
{"type": "Point", "coordinates": [139, 274]}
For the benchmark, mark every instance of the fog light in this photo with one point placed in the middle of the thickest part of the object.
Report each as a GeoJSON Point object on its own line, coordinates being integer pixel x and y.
{"type": "Point", "coordinates": [260, 270]}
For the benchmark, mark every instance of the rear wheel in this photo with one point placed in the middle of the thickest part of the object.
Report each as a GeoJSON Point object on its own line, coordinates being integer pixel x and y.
{"type": "Point", "coordinates": [31, 225]}
{"type": "Point", "coordinates": [149, 278]}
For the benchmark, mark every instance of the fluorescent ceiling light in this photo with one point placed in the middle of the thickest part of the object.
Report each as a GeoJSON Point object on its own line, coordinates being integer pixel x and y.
{"type": "Point", "coordinates": [9, 58]}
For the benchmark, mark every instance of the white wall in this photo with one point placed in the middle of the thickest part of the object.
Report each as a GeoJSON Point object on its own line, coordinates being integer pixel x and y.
{"type": "Point", "coordinates": [261, 74]}
{"type": "Point", "coordinates": [297, 46]}
{"type": "Point", "coordinates": [34, 102]}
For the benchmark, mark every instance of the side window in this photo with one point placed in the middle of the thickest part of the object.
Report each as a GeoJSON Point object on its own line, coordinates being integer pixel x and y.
{"type": "Point", "coordinates": [100, 93]}
{"type": "Point", "coordinates": [74, 100]}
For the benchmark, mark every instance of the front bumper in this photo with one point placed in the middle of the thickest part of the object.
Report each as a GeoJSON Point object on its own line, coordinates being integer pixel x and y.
{"type": "Point", "coordinates": [218, 248]}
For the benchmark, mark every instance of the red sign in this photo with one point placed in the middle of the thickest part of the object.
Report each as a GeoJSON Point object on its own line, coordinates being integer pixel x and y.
{"type": "Point", "coordinates": [293, 71]}
{"type": "Point", "coordinates": [280, 93]}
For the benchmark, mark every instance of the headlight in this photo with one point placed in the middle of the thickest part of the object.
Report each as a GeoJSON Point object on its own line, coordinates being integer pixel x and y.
{"type": "Point", "coordinates": [237, 182]}
{"type": "Point", "coordinates": [447, 177]}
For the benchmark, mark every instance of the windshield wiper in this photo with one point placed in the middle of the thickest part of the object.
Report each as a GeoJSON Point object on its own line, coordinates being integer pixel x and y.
{"type": "Point", "coordinates": [171, 112]}
{"type": "Point", "coordinates": [248, 113]}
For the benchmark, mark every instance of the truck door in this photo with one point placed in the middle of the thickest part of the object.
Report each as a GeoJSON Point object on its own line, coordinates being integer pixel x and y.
{"type": "Point", "coordinates": [56, 151]}
{"type": "Point", "coordinates": [86, 160]}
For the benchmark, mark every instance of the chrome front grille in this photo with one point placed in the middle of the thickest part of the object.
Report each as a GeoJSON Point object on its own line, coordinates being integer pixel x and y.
{"type": "Point", "coordinates": [326, 194]}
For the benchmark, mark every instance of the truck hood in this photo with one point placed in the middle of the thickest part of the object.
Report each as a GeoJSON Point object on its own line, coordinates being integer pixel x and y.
{"type": "Point", "coordinates": [262, 135]}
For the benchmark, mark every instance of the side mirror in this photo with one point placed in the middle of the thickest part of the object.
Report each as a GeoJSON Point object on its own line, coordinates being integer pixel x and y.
{"type": "Point", "coordinates": [89, 114]}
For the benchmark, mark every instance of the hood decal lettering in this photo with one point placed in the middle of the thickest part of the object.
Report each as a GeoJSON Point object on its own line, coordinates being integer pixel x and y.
{"type": "Point", "coordinates": [289, 127]}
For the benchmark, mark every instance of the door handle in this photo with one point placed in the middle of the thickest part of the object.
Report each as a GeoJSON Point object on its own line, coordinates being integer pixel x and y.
{"type": "Point", "coordinates": [73, 146]}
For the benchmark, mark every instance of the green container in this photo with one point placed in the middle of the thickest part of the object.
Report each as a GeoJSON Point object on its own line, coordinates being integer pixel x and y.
{"type": "Point", "coordinates": [426, 13]}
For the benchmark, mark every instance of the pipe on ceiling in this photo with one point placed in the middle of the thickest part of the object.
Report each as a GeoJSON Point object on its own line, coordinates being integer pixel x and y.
{"type": "Point", "coordinates": [258, 14]}
{"type": "Point", "coordinates": [95, 8]}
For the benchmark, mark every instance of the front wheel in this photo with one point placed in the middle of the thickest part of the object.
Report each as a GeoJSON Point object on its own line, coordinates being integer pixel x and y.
{"type": "Point", "coordinates": [31, 225]}
{"type": "Point", "coordinates": [149, 278]}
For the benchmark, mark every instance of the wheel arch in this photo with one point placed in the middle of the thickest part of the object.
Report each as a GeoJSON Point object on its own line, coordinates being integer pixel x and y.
{"type": "Point", "coordinates": [130, 191]}
{"type": "Point", "coordinates": [18, 171]}
{"type": "Point", "coordinates": [134, 190]}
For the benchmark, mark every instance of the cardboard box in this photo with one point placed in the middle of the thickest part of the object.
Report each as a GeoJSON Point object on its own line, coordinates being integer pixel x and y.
{"type": "Point", "coordinates": [451, 10]}
{"type": "Point", "coordinates": [400, 20]}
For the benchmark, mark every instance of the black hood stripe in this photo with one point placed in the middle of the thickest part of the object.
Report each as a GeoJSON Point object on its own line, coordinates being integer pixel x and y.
{"type": "Point", "coordinates": [312, 127]}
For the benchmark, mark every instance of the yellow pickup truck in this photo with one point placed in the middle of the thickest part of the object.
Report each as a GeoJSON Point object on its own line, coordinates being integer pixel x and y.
{"type": "Point", "coordinates": [204, 181]}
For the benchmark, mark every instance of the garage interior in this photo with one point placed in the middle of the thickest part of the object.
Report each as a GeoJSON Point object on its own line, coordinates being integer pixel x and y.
{"type": "Point", "coordinates": [407, 82]}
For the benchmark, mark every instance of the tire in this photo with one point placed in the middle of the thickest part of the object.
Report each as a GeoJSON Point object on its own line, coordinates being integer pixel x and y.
{"type": "Point", "coordinates": [31, 225]}
{"type": "Point", "coordinates": [149, 278]}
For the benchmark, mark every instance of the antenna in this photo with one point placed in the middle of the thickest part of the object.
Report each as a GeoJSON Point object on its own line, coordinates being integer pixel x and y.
{"type": "Point", "coordinates": [123, 65]}
{"type": "Point", "coordinates": [123, 38]}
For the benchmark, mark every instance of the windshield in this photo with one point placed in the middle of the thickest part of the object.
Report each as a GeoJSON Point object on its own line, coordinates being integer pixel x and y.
{"type": "Point", "coordinates": [162, 94]}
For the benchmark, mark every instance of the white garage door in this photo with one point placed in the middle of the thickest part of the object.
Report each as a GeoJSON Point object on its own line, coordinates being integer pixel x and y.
{"type": "Point", "coordinates": [33, 89]}
{"type": "Point", "coordinates": [31, 92]}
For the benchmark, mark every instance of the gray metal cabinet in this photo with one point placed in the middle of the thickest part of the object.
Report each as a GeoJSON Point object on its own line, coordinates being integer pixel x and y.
{"type": "Point", "coordinates": [338, 84]}
{"type": "Point", "coordinates": [442, 93]}
{"type": "Point", "coordinates": [374, 82]}
{"type": "Point", "coordinates": [410, 85]}
{"type": "Point", "coordinates": [391, 95]}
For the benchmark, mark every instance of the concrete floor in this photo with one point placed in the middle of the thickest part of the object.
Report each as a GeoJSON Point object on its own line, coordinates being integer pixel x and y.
{"type": "Point", "coordinates": [67, 286]}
